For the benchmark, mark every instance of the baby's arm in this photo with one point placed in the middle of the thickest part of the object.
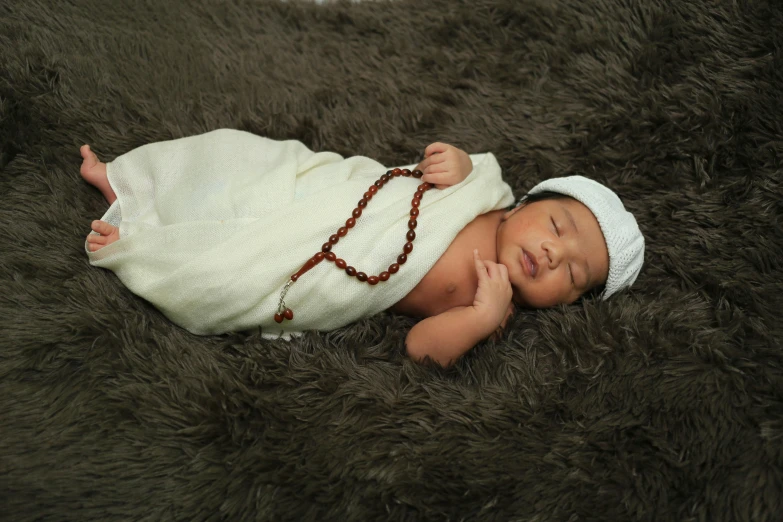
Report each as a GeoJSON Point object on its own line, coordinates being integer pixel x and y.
{"type": "Point", "coordinates": [446, 337]}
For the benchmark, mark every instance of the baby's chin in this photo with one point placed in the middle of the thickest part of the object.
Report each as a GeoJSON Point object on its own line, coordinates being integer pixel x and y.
{"type": "Point", "coordinates": [518, 298]}
{"type": "Point", "coordinates": [519, 302]}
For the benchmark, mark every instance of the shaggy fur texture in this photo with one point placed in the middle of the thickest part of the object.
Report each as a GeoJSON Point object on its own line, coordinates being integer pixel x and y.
{"type": "Point", "coordinates": [665, 403]}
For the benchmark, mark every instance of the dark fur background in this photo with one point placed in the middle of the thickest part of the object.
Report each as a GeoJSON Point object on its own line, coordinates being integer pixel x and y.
{"type": "Point", "coordinates": [665, 403]}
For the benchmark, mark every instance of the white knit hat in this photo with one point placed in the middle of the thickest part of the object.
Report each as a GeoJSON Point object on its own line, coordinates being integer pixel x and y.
{"type": "Point", "coordinates": [624, 240]}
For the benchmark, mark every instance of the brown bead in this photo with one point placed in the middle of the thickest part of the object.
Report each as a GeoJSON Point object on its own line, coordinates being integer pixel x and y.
{"type": "Point", "coordinates": [310, 263]}
{"type": "Point", "coordinates": [326, 248]}
{"type": "Point", "coordinates": [278, 318]}
{"type": "Point", "coordinates": [288, 314]}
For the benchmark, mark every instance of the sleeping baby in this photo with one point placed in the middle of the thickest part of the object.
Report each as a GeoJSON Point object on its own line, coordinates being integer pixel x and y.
{"type": "Point", "coordinates": [210, 228]}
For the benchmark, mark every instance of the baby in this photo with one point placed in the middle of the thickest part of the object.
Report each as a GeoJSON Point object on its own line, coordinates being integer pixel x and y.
{"type": "Point", "coordinates": [568, 237]}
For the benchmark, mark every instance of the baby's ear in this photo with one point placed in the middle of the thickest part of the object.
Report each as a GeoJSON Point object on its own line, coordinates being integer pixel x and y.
{"type": "Point", "coordinates": [511, 212]}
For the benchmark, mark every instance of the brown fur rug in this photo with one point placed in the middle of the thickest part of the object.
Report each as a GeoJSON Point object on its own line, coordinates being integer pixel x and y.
{"type": "Point", "coordinates": [664, 403]}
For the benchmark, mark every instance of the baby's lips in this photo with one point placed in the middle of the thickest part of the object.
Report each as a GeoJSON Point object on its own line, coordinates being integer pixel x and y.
{"type": "Point", "coordinates": [529, 263]}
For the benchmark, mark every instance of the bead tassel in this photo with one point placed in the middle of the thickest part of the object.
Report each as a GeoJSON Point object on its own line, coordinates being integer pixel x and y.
{"type": "Point", "coordinates": [326, 249]}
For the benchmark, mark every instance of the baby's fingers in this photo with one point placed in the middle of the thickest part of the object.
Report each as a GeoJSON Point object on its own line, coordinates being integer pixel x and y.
{"type": "Point", "coordinates": [481, 268]}
{"type": "Point", "coordinates": [434, 148]}
{"type": "Point", "coordinates": [503, 271]}
{"type": "Point", "coordinates": [429, 162]}
{"type": "Point", "coordinates": [497, 271]}
{"type": "Point", "coordinates": [437, 178]}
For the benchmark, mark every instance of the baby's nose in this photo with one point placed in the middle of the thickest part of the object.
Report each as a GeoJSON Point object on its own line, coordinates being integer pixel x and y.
{"type": "Point", "coordinates": [554, 254]}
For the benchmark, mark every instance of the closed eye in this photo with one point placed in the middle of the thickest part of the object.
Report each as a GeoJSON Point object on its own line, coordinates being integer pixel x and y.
{"type": "Point", "coordinates": [557, 230]}
{"type": "Point", "coordinates": [571, 273]}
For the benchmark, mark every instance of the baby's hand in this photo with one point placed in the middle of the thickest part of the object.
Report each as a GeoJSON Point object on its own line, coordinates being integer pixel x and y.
{"type": "Point", "coordinates": [444, 165]}
{"type": "Point", "coordinates": [493, 296]}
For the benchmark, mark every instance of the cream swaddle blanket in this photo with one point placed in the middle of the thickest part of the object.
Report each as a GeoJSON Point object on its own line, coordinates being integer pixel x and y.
{"type": "Point", "coordinates": [212, 227]}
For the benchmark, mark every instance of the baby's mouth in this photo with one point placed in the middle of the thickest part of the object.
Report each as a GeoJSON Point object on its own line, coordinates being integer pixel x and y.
{"type": "Point", "coordinates": [531, 267]}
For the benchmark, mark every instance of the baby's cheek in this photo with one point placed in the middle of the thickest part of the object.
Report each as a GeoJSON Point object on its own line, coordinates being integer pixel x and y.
{"type": "Point", "coordinates": [539, 296]}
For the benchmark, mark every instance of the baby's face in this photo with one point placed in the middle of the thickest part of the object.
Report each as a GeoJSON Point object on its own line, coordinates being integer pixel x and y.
{"type": "Point", "coordinates": [554, 251]}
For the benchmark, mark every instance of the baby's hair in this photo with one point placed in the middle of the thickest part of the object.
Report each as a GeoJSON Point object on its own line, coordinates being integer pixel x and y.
{"type": "Point", "coordinates": [540, 196]}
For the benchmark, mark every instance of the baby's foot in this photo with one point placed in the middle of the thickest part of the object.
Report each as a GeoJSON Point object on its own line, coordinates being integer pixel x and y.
{"type": "Point", "coordinates": [94, 172]}
{"type": "Point", "coordinates": [108, 235]}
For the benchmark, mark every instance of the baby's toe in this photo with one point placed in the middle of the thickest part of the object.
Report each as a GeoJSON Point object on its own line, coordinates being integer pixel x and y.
{"type": "Point", "coordinates": [90, 159]}
{"type": "Point", "coordinates": [95, 242]}
{"type": "Point", "coordinates": [102, 227]}
{"type": "Point", "coordinates": [95, 238]}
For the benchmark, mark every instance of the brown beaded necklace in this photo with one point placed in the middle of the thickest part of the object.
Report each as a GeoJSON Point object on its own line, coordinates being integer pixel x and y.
{"type": "Point", "coordinates": [326, 250]}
